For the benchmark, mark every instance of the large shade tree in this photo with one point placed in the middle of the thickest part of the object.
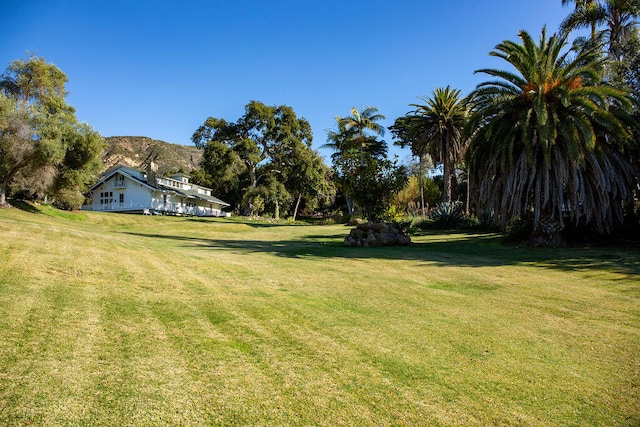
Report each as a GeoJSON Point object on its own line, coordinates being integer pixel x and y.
{"type": "Point", "coordinates": [265, 158]}
{"type": "Point", "coordinates": [545, 138]}
{"type": "Point", "coordinates": [435, 128]}
{"type": "Point", "coordinates": [42, 145]}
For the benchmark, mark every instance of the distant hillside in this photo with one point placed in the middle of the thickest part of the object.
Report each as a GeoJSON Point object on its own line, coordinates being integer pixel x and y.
{"type": "Point", "coordinates": [138, 151]}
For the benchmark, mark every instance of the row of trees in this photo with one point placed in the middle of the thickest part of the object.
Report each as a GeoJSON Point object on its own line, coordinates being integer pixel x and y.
{"type": "Point", "coordinates": [44, 150]}
{"type": "Point", "coordinates": [557, 138]}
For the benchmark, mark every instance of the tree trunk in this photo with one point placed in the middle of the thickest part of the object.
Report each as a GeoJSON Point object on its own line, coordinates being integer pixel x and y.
{"type": "Point", "coordinates": [547, 230]}
{"type": "Point", "coordinates": [468, 191]}
{"type": "Point", "coordinates": [248, 208]}
{"type": "Point", "coordinates": [350, 207]}
{"type": "Point", "coordinates": [421, 186]}
{"type": "Point", "coordinates": [3, 194]}
{"type": "Point", "coordinates": [5, 184]}
{"type": "Point", "coordinates": [295, 210]}
{"type": "Point", "coordinates": [446, 173]}
{"type": "Point", "coordinates": [547, 233]}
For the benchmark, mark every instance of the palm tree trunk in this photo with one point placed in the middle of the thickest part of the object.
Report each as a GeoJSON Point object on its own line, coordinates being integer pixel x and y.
{"type": "Point", "coordinates": [468, 191]}
{"type": "Point", "coordinates": [446, 172]}
{"type": "Point", "coordinates": [424, 213]}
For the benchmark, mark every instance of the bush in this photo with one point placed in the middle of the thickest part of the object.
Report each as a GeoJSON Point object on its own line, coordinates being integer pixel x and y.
{"type": "Point", "coordinates": [447, 215]}
{"type": "Point", "coordinates": [68, 200]}
{"type": "Point", "coordinates": [421, 223]}
{"type": "Point", "coordinates": [518, 230]}
{"type": "Point", "coordinates": [405, 227]}
{"type": "Point", "coordinates": [482, 222]}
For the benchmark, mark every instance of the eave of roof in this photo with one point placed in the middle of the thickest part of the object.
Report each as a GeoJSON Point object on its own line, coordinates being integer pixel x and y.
{"type": "Point", "coordinates": [122, 172]}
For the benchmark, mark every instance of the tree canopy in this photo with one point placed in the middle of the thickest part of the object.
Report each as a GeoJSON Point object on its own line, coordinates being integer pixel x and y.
{"type": "Point", "coordinates": [42, 145]}
{"type": "Point", "coordinates": [264, 160]}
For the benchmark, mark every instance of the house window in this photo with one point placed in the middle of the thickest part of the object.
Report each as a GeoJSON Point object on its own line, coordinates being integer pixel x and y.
{"type": "Point", "coordinates": [106, 197]}
{"type": "Point", "coordinates": [119, 181]}
{"type": "Point", "coordinates": [121, 199]}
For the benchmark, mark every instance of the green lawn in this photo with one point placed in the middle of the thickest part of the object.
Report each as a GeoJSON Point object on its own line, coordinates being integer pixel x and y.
{"type": "Point", "coordinates": [110, 319]}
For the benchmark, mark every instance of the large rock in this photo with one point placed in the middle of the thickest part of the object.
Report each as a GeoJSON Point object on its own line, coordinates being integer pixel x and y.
{"type": "Point", "coordinates": [376, 234]}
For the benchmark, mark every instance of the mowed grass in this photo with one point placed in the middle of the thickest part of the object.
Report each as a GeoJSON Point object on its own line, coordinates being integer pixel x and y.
{"type": "Point", "coordinates": [110, 319]}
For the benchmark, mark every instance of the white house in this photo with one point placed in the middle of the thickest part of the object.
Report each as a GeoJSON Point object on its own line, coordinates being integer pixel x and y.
{"type": "Point", "coordinates": [124, 189]}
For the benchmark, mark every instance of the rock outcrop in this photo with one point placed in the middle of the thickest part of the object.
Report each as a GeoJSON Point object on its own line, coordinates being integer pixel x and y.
{"type": "Point", "coordinates": [376, 234]}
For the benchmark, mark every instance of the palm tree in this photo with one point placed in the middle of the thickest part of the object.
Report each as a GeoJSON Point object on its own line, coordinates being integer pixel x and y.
{"type": "Point", "coordinates": [618, 16]}
{"type": "Point", "coordinates": [581, 9]}
{"type": "Point", "coordinates": [356, 127]}
{"type": "Point", "coordinates": [352, 141]}
{"type": "Point", "coordinates": [544, 140]}
{"type": "Point", "coordinates": [435, 128]}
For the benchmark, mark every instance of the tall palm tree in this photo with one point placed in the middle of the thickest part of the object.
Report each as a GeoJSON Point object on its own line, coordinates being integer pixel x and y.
{"type": "Point", "coordinates": [582, 8]}
{"type": "Point", "coordinates": [352, 140]}
{"type": "Point", "coordinates": [618, 16]}
{"type": "Point", "coordinates": [544, 139]}
{"type": "Point", "coordinates": [435, 128]}
{"type": "Point", "coordinates": [356, 126]}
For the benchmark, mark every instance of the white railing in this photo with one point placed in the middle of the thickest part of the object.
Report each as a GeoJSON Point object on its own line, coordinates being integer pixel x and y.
{"type": "Point", "coordinates": [177, 208]}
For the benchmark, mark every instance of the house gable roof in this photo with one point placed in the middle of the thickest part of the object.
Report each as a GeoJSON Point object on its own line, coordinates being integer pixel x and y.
{"type": "Point", "coordinates": [124, 171]}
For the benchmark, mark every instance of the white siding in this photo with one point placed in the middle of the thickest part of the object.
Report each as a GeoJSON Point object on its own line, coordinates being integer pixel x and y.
{"type": "Point", "coordinates": [136, 196]}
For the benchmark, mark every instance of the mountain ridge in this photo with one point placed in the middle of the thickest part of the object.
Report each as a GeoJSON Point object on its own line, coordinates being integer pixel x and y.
{"type": "Point", "coordinates": [138, 151]}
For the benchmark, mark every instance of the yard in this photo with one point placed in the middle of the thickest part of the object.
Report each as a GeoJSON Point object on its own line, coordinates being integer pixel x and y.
{"type": "Point", "coordinates": [109, 319]}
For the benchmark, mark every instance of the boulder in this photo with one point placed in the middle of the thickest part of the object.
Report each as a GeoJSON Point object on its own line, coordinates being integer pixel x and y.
{"type": "Point", "coordinates": [376, 234]}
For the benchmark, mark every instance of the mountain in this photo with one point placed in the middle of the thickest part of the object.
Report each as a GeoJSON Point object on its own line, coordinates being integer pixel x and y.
{"type": "Point", "coordinates": [138, 151]}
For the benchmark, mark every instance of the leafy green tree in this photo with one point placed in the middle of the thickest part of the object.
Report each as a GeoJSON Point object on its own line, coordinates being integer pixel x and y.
{"type": "Point", "coordinates": [373, 182]}
{"type": "Point", "coordinates": [77, 170]}
{"type": "Point", "coordinates": [435, 128]}
{"type": "Point", "coordinates": [416, 195]}
{"type": "Point", "coordinates": [224, 172]}
{"type": "Point", "coordinates": [268, 147]}
{"type": "Point", "coordinates": [545, 139]}
{"type": "Point", "coordinates": [302, 172]}
{"type": "Point", "coordinates": [39, 130]}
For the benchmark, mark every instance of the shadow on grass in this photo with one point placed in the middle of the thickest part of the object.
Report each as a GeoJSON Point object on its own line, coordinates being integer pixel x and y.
{"type": "Point", "coordinates": [24, 206]}
{"type": "Point", "coordinates": [464, 250]}
{"type": "Point", "coordinates": [254, 224]}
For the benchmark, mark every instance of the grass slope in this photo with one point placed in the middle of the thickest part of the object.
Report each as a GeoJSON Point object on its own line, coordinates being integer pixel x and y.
{"type": "Point", "coordinates": [110, 319]}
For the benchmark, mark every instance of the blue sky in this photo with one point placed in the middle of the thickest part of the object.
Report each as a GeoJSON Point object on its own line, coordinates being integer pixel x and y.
{"type": "Point", "coordinates": [160, 68]}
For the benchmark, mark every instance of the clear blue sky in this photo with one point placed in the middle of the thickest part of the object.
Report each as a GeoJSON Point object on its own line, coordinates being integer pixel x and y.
{"type": "Point", "coordinates": [160, 68]}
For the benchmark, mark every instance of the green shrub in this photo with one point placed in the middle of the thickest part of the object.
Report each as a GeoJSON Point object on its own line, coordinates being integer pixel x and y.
{"type": "Point", "coordinates": [447, 215]}
{"type": "Point", "coordinates": [518, 230]}
{"type": "Point", "coordinates": [69, 200]}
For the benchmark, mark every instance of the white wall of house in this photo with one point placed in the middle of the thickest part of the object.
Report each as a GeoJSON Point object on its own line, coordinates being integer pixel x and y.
{"type": "Point", "coordinates": [120, 193]}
